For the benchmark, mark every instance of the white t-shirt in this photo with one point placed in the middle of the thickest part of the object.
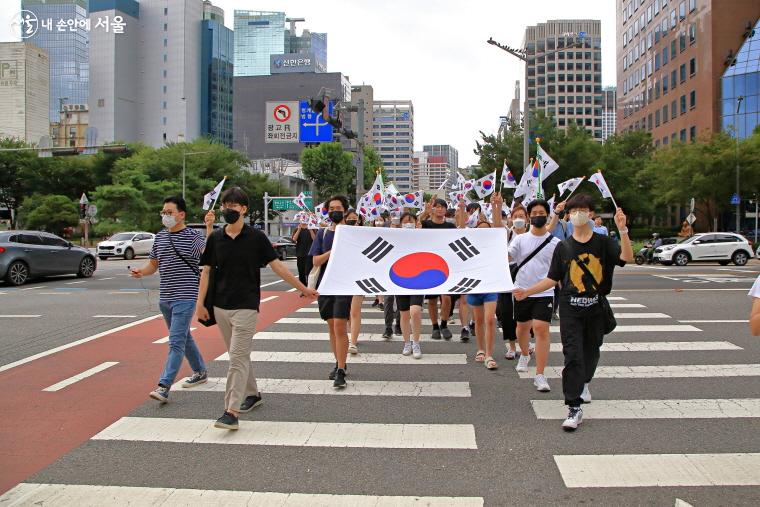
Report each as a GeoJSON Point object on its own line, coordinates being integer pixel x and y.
{"type": "Point", "coordinates": [538, 267]}
{"type": "Point", "coordinates": [755, 290]}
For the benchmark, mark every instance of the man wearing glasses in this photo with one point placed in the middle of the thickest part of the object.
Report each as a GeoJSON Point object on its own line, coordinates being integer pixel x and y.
{"type": "Point", "coordinates": [176, 252]}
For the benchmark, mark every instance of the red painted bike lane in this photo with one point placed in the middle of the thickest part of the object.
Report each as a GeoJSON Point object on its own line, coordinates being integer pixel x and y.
{"type": "Point", "coordinates": [37, 427]}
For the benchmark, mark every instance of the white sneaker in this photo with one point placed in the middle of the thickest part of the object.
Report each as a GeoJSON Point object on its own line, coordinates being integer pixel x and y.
{"type": "Point", "coordinates": [353, 349]}
{"type": "Point", "coordinates": [522, 363]}
{"type": "Point", "coordinates": [531, 348]}
{"type": "Point", "coordinates": [586, 394]}
{"type": "Point", "coordinates": [416, 351]}
{"type": "Point", "coordinates": [407, 349]}
{"type": "Point", "coordinates": [574, 419]}
{"type": "Point", "coordinates": [541, 384]}
{"type": "Point", "coordinates": [510, 354]}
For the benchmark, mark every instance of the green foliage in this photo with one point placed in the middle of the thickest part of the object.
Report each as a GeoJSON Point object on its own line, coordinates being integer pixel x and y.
{"type": "Point", "coordinates": [372, 162]}
{"type": "Point", "coordinates": [329, 167]}
{"type": "Point", "coordinates": [52, 213]}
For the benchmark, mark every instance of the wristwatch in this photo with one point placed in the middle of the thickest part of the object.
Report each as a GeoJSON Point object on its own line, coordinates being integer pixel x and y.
{"type": "Point", "coordinates": [623, 232]}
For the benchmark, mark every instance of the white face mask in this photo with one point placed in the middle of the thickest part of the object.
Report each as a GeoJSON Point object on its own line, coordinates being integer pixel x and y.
{"type": "Point", "coordinates": [169, 221]}
{"type": "Point", "coordinates": [519, 223]}
{"type": "Point", "coordinates": [579, 218]}
{"type": "Point", "coordinates": [408, 226]}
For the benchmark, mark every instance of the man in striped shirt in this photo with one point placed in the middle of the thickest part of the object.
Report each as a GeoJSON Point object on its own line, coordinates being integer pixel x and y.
{"type": "Point", "coordinates": [176, 252]}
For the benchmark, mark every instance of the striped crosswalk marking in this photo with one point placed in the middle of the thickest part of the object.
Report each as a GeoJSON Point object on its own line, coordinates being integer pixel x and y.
{"type": "Point", "coordinates": [315, 310]}
{"type": "Point", "coordinates": [301, 335]}
{"type": "Point", "coordinates": [287, 433]}
{"type": "Point", "coordinates": [626, 305]}
{"type": "Point", "coordinates": [87, 495]}
{"type": "Point", "coordinates": [355, 388]}
{"type": "Point", "coordinates": [659, 346]}
{"type": "Point", "coordinates": [365, 358]}
{"type": "Point", "coordinates": [677, 371]}
{"type": "Point", "coordinates": [616, 298]}
{"type": "Point", "coordinates": [317, 320]}
{"type": "Point", "coordinates": [654, 409]}
{"type": "Point", "coordinates": [641, 316]}
{"type": "Point", "coordinates": [659, 470]}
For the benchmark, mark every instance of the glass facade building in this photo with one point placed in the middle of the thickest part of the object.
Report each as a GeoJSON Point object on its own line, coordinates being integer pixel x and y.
{"type": "Point", "coordinates": [257, 36]}
{"type": "Point", "coordinates": [67, 49]}
{"type": "Point", "coordinates": [742, 79]}
{"type": "Point", "coordinates": [217, 48]}
{"type": "Point", "coordinates": [308, 42]}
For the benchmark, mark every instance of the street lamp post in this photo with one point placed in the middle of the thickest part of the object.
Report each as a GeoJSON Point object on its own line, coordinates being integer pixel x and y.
{"type": "Point", "coordinates": [185, 154]}
{"type": "Point", "coordinates": [739, 100]}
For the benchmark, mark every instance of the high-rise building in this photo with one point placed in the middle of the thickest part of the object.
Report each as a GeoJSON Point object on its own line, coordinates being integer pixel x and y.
{"type": "Point", "coordinates": [24, 93]}
{"type": "Point", "coordinates": [146, 81]}
{"type": "Point", "coordinates": [435, 167]}
{"type": "Point", "coordinates": [217, 46]}
{"type": "Point", "coordinates": [671, 56]}
{"type": "Point", "coordinates": [609, 112]}
{"type": "Point", "coordinates": [308, 43]}
{"type": "Point", "coordinates": [363, 94]}
{"type": "Point", "coordinates": [258, 35]}
{"type": "Point", "coordinates": [62, 34]}
{"type": "Point", "coordinates": [564, 78]}
{"type": "Point", "coordinates": [515, 105]}
{"type": "Point", "coordinates": [71, 129]}
{"type": "Point", "coordinates": [393, 138]}
{"type": "Point", "coordinates": [742, 79]}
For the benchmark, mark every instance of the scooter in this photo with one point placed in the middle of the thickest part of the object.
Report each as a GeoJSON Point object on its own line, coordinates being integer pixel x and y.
{"type": "Point", "coordinates": [643, 256]}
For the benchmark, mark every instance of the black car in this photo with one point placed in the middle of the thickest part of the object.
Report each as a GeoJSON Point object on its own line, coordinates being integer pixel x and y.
{"type": "Point", "coordinates": [284, 246]}
{"type": "Point", "coordinates": [29, 254]}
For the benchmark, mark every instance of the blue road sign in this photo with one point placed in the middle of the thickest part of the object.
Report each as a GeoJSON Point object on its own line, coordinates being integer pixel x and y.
{"type": "Point", "coordinates": [314, 128]}
{"type": "Point", "coordinates": [735, 199]}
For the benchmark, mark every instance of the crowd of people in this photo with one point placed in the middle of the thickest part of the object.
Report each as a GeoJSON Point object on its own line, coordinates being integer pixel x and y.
{"type": "Point", "coordinates": [561, 259]}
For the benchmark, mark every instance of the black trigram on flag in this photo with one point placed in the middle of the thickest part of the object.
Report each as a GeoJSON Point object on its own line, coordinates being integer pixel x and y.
{"type": "Point", "coordinates": [370, 286]}
{"type": "Point", "coordinates": [464, 249]}
{"type": "Point", "coordinates": [464, 286]}
{"type": "Point", "coordinates": [377, 250]}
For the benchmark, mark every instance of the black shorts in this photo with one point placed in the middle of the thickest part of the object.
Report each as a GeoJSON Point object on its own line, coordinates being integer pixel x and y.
{"type": "Point", "coordinates": [534, 309]}
{"type": "Point", "coordinates": [454, 297]}
{"type": "Point", "coordinates": [334, 307]}
{"type": "Point", "coordinates": [405, 302]}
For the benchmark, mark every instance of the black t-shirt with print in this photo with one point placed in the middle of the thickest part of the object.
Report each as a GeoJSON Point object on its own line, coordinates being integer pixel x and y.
{"type": "Point", "coordinates": [600, 254]}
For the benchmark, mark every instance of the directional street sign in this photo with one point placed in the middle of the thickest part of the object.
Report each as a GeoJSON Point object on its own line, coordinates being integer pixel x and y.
{"type": "Point", "coordinates": [691, 218]}
{"type": "Point", "coordinates": [281, 124]}
{"type": "Point", "coordinates": [691, 205]}
{"type": "Point", "coordinates": [282, 204]}
{"type": "Point", "coordinates": [314, 128]}
{"type": "Point", "coordinates": [92, 210]}
{"type": "Point", "coordinates": [84, 199]}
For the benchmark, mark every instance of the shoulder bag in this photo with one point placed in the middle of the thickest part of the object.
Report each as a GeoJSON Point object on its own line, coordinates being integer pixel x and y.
{"type": "Point", "coordinates": [208, 301]}
{"type": "Point", "coordinates": [514, 267]}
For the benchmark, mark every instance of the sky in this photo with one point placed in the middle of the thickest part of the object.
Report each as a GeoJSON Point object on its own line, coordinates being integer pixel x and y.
{"type": "Point", "coordinates": [432, 52]}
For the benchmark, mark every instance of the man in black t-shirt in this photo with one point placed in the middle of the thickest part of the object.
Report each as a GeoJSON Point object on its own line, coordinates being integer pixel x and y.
{"type": "Point", "coordinates": [236, 255]}
{"type": "Point", "coordinates": [581, 296]}
{"type": "Point", "coordinates": [303, 238]}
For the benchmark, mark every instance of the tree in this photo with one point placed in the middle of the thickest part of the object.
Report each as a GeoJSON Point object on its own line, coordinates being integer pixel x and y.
{"type": "Point", "coordinates": [329, 167]}
{"type": "Point", "coordinates": [51, 213]}
{"type": "Point", "coordinates": [18, 171]}
{"type": "Point", "coordinates": [372, 162]}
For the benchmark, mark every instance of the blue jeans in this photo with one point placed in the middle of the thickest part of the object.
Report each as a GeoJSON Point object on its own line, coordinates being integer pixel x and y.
{"type": "Point", "coordinates": [178, 315]}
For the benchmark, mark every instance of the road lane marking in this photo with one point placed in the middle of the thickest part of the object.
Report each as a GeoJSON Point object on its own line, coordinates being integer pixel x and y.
{"type": "Point", "coordinates": [80, 494]}
{"type": "Point", "coordinates": [672, 371]}
{"type": "Point", "coordinates": [366, 358]}
{"type": "Point", "coordinates": [626, 305]}
{"type": "Point", "coordinates": [33, 288]}
{"type": "Point", "coordinates": [74, 344]}
{"type": "Point", "coordinates": [165, 339]}
{"type": "Point", "coordinates": [114, 316]}
{"type": "Point", "coordinates": [659, 346]}
{"type": "Point", "coordinates": [642, 316]}
{"type": "Point", "coordinates": [75, 283]}
{"type": "Point", "coordinates": [119, 293]}
{"type": "Point", "coordinates": [315, 320]}
{"type": "Point", "coordinates": [293, 289]}
{"type": "Point", "coordinates": [19, 317]}
{"type": "Point", "coordinates": [79, 376]}
{"type": "Point", "coordinates": [298, 434]}
{"type": "Point", "coordinates": [353, 388]}
{"type": "Point", "coordinates": [272, 283]}
{"type": "Point", "coordinates": [59, 293]}
{"type": "Point", "coordinates": [306, 336]}
{"type": "Point", "coordinates": [659, 470]}
{"type": "Point", "coordinates": [616, 298]}
{"type": "Point", "coordinates": [654, 409]}
{"type": "Point", "coordinates": [270, 298]}
{"type": "Point", "coordinates": [713, 321]}
{"type": "Point", "coordinates": [101, 279]}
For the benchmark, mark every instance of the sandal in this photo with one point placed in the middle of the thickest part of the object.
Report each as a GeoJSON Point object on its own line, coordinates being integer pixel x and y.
{"type": "Point", "coordinates": [480, 356]}
{"type": "Point", "coordinates": [491, 363]}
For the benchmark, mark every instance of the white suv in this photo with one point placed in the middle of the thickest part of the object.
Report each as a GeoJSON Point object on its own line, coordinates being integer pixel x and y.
{"type": "Point", "coordinates": [126, 245]}
{"type": "Point", "coordinates": [723, 247]}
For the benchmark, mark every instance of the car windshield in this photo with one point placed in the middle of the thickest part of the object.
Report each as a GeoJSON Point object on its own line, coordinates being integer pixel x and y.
{"type": "Point", "coordinates": [686, 240]}
{"type": "Point", "coordinates": [123, 236]}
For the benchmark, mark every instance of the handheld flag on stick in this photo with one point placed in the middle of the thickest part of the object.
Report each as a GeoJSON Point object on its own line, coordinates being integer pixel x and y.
{"type": "Point", "coordinates": [547, 164]}
{"type": "Point", "coordinates": [300, 200]}
{"type": "Point", "coordinates": [570, 185]}
{"type": "Point", "coordinates": [527, 181]}
{"type": "Point", "coordinates": [485, 185]}
{"type": "Point", "coordinates": [414, 200]}
{"type": "Point", "coordinates": [507, 178]}
{"type": "Point", "coordinates": [209, 200]}
{"type": "Point", "coordinates": [377, 193]}
{"type": "Point", "coordinates": [598, 180]}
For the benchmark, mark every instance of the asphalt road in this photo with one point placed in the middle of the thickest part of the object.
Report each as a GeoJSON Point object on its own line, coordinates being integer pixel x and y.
{"type": "Point", "coordinates": [479, 440]}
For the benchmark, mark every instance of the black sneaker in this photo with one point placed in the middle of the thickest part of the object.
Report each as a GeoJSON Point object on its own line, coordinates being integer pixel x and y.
{"type": "Point", "coordinates": [340, 378]}
{"type": "Point", "coordinates": [381, 306]}
{"type": "Point", "coordinates": [388, 334]}
{"type": "Point", "coordinates": [464, 336]}
{"type": "Point", "coordinates": [335, 370]}
{"type": "Point", "coordinates": [436, 334]}
{"type": "Point", "coordinates": [375, 303]}
{"type": "Point", "coordinates": [446, 333]}
{"type": "Point", "coordinates": [250, 403]}
{"type": "Point", "coordinates": [227, 422]}
{"type": "Point", "coordinates": [196, 380]}
{"type": "Point", "coordinates": [397, 330]}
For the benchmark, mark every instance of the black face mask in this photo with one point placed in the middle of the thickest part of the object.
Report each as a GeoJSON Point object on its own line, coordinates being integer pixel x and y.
{"type": "Point", "coordinates": [336, 216]}
{"type": "Point", "coordinates": [230, 215]}
{"type": "Point", "coordinates": [351, 222]}
{"type": "Point", "coordinates": [539, 221]}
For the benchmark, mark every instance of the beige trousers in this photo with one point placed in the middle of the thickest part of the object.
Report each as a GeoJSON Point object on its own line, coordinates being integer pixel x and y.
{"type": "Point", "coordinates": [238, 328]}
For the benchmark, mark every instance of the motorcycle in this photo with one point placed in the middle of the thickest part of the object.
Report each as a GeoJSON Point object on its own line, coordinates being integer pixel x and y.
{"type": "Point", "coordinates": [643, 255]}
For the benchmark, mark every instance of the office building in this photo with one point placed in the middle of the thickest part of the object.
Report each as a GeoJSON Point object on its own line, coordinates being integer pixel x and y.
{"type": "Point", "coordinates": [564, 72]}
{"type": "Point", "coordinates": [62, 34]}
{"type": "Point", "coordinates": [258, 35]}
{"type": "Point", "coordinates": [609, 111]}
{"type": "Point", "coordinates": [515, 105]}
{"type": "Point", "coordinates": [393, 138]}
{"type": "Point", "coordinates": [217, 55]}
{"type": "Point", "coordinates": [146, 80]}
{"type": "Point", "coordinates": [741, 87]}
{"type": "Point", "coordinates": [363, 97]}
{"type": "Point", "coordinates": [308, 43]}
{"type": "Point", "coordinates": [671, 56]}
{"type": "Point", "coordinates": [24, 91]}
{"type": "Point", "coordinates": [434, 167]}
{"type": "Point", "coordinates": [71, 130]}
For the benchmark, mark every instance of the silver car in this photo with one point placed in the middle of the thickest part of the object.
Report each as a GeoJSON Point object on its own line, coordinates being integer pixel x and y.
{"type": "Point", "coordinates": [29, 254]}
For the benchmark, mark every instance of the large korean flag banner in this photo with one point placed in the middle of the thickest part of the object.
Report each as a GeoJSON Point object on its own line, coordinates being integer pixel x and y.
{"type": "Point", "coordinates": [382, 261]}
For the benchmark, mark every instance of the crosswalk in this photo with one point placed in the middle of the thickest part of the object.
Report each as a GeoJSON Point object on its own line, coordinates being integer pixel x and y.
{"type": "Point", "coordinates": [402, 416]}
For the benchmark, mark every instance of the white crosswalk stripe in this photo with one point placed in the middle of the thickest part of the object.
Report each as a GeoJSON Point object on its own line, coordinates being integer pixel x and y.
{"type": "Point", "coordinates": [366, 358]}
{"type": "Point", "coordinates": [670, 371]}
{"type": "Point", "coordinates": [654, 409]}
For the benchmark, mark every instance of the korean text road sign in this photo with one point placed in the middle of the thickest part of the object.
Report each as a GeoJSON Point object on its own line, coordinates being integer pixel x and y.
{"type": "Point", "coordinates": [314, 128]}
{"type": "Point", "coordinates": [281, 123]}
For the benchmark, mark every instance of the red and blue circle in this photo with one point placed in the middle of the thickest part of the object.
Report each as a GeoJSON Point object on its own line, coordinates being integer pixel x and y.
{"type": "Point", "coordinates": [510, 178]}
{"type": "Point", "coordinates": [377, 198]}
{"type": "Point", "coordinates": [410, 198]}
{"type": "Point", "coordinates": [419, 271]}
{"type": "Point", "coordinates": [487, 184]}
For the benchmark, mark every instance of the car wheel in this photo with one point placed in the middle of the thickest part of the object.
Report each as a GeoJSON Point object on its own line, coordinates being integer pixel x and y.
{"type": "Point", "coordinates": [723, 263]}
{"type": "Point", "coordinates": [681, 259]}
{"type": "Point", "coordinates": [740, 258]}
{"type": "Point", "coordinates": [86, 267]}
{"type": "Point", "coordinates": [17, 274]}
{"type": "Point", "coordinates": [102, 258]}
{"type": "Point", "coordinates": [129, 254]}
{"type": "Point", "coordinates": [282, 254]}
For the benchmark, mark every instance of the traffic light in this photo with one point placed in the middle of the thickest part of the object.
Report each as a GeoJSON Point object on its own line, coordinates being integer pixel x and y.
{"type": "Point", "coordinates": [82, 211]}
{"type": "Point", "coordinates": [334, 120]}
{"type": "Point", "coordinates": [317, 106]}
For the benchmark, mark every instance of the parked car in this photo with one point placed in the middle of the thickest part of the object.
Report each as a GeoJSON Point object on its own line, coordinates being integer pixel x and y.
{"type": "Point", "coordinates": [29, 254]}
{"type": "Point", "coordinates": [284, 246]}
{"type": "Point", "coordinates": [723, 247]}
{"type": "Point", "coordinates": [127, 245]}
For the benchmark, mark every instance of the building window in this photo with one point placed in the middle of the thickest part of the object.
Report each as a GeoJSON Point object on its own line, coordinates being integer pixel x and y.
{"type": "Point", "coordinates": [665, 84]}
{"type": "Point", "coordinates": [101, 102]}
{"type": "Point", "coordinates": [164, 72]}
{"type": "Point", "coordinates": [672, 49]}
{"type": "Point", "coordinates": [665, 56]}
{"type": "Point", "coordinates": [166, 42]}
{"type": "Point", "coordinates": [673, 110]}
{"type": "Point", "coordinates": [164, 58]}
{"type": "Point", "coordinates": [683, 104]}
{"type": "Point", "coordinates": [673, 79]}
{"type": "Point", "coordinates": [692, 66]}
{"type": "Point", "coordinates": [682, 135]}
{"type": "Point", "coordinates": [683, 72]}
{"type": "Point", "coordinates": [692, 33]}
{"type": "Point", "coordinates": [682, 41]}
{"type": "Point", "coordinates": [166, 11]}
{"type": "Point", "coordinates": [682, 10]}
{"type": "Point", "coordinates": [163, 105]}
{"type": "Point", "coordinates": [693, 99]}
{"type": "Point", "coordinates": [673, 18]}
{"type": "Point", "coordinates": [657, 62]}
{"type": "Point", "coordinates": [164, 88]}
{"type": "Point", "coordinates": [665, 141]}
{"type": "Point", "coordinates": [692, 5]}
{"type": "Point", "coordinates": [166, 27]}
{"type": "Point", "coordinates": [163, 120]}
{"type": "Point", "coordinates": [692, 133]}
{"type": "Point", "coordinates": [657, 118]}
